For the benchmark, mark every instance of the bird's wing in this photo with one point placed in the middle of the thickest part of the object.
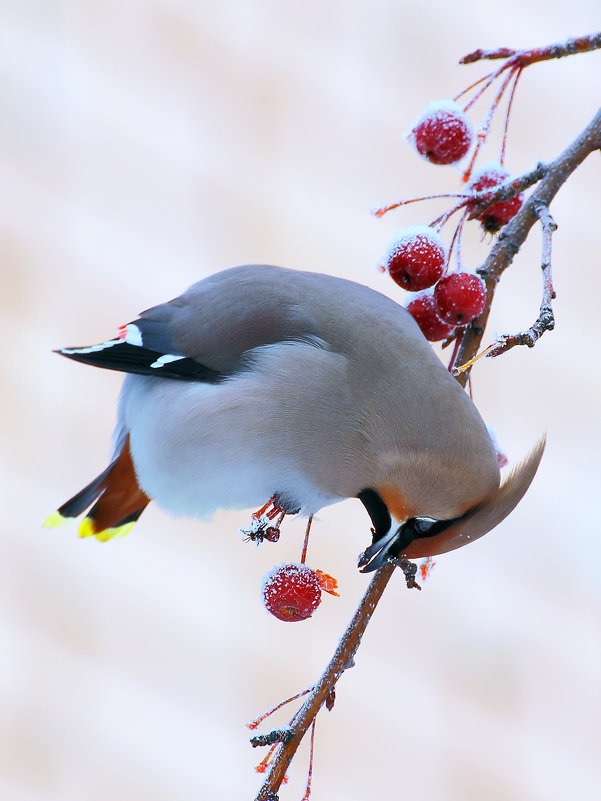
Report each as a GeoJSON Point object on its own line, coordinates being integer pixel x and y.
{"type": "Point", "coordinates": [203, 334]}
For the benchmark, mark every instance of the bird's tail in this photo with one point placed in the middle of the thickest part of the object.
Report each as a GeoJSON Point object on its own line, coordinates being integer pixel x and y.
{"type": "Point", "coordinates": [484, 517]}
{"type": "Point", "coordinates": [119, 501]}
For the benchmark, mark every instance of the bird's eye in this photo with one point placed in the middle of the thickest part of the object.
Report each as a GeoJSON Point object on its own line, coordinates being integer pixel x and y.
{"type": "Point", "coordinates": [422, 525]}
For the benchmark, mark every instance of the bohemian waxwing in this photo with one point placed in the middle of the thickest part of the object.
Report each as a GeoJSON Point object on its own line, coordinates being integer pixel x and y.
{"type": "Point", "coordinates": [261, 381]}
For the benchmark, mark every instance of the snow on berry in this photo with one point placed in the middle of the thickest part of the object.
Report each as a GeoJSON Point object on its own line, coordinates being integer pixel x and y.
{"type": "Point", "coordinates": [459, 297]}
{"type": "Point", "coordinates": [291, 592]}
{"type": "Point", "coordinates": [423, 310]}
{"type": "Point", "coordinates": [416, 257]}
{"type": "Point", "coordinates": [443, 134]}
{"type": "Point", "coordinates": [488, 176]}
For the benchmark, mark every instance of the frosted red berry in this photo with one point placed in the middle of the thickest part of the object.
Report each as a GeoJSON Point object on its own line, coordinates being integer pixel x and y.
{"type": "Point", "coordinates": [498, 215]}
{"type": "Point", "coordinates": [459, 298]}
{"type": "Point", "coordinates": [291, 592]}
{"type": "Point", "coordinates": [443, 134]}
{"type": "Point", "coordinates": [423, 310]}
{"type": "Point", "coordinates": [415, 258]}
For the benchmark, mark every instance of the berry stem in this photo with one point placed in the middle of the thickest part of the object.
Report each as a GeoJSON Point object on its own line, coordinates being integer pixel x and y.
{"type": "Point", "coordinates": [306, 542]}
{"type": "Point", "coordinates": [382, 210]}
{"type": "Point", "coordinates": [508, 115]}
{"type": "Point", "coordinates": [441, 221]}
{"type": "Point", "coordinates": [473, 85]}
{"type": "Point", "coordinates": [456, 347]}
{"type": "Point", "coordinates": [307, 794]}
{"type": "Point", "coordinates": [484, 129]}
{"type": "Point", "coordinates": [456, 243]}
{"type": "Point", "coordinates": [490, 79]}
{"type": "Point", "coordinates": [257, 721]}
{"type": "Point", "coordinates": [256, 515]}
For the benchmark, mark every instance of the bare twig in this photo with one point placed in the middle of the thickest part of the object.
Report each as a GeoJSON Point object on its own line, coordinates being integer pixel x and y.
{"type": "Point", "coordinates": [514, 234]}
{"type": "Point", "coordinates": [546, 318]}
{"type": "Point", "coordinates": [273, 736]}
{"type": "Point", "coordinates": [581, 44]}
{"type": "Point", "coordinates": [478, 201]}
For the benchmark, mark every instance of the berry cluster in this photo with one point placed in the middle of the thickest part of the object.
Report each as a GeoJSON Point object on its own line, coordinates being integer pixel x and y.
{"type": "Point", "coordinates": [416, 258]}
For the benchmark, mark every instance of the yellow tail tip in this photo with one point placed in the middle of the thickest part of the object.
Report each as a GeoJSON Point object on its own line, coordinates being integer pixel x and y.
{"type": "Point", "coordinates": [87, 529]}
{"type": "Point", "coordinates": [55, 520]}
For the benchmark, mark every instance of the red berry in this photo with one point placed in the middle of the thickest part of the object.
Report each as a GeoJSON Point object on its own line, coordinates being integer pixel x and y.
{"type": "Point", "coordinates": [443, 134]}
{"type": "Point", "coordinates": [495, 217]}
{"type": "Point", "coordinates": [459, 297]}
{"type": "Point", "coordinates": [415, 258]}
{"type": "Point", "coordinates": [291, 592]}
{"type": "Point", "coordinates": [423, 310]}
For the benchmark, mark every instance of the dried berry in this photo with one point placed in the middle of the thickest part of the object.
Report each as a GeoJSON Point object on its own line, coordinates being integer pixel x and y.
{"type": "Point", "coordinates": [272, 534]}
{"type": "Point", "coordinates": [291, 592]}
{"type": "Point", "coordinates": [443, 134]}
{"type": "Point", "coordinates": [416, 257]}
{"type": "Point", "coordinates": [459, 298]}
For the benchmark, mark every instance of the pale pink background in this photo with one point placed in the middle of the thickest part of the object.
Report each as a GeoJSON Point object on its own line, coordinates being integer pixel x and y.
{"type": "Point", "coordinates": [145, 145]}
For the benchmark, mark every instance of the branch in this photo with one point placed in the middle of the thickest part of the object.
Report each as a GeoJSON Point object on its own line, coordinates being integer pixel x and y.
{"type": "Point", "coordinates": [581, 44]}
{"type": "Point", "coordinates": [546, 318]}
{"type": "Point", "coordinates": [514, 234]}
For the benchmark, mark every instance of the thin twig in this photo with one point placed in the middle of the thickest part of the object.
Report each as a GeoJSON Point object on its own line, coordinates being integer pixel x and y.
{"type": "Point", "coordinates": [478, 55]}
{"type": "Point", "coordinates": [546, 318]}
{"type": "Point", "coordinates": [580, 44]}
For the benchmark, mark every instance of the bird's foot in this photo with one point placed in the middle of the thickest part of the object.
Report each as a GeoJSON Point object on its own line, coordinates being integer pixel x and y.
{"type": "Point", "coordinates": [265, 523]}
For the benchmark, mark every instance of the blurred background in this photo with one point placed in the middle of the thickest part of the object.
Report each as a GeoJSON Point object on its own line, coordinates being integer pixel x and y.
{"type": "Point", "coordinates": [145, 145]}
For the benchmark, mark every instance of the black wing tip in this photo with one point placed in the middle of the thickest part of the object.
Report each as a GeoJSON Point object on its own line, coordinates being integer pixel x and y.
{"type": "Point", "coordinates": [122, 356]}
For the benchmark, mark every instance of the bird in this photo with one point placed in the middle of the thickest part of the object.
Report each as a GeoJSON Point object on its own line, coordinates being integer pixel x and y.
{"type": "Point", "coordinates": [266, 382]}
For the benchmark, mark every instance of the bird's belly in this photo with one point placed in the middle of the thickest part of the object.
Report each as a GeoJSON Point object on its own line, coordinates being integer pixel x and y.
{"type": "Point", "coordinates": [200, 447]}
